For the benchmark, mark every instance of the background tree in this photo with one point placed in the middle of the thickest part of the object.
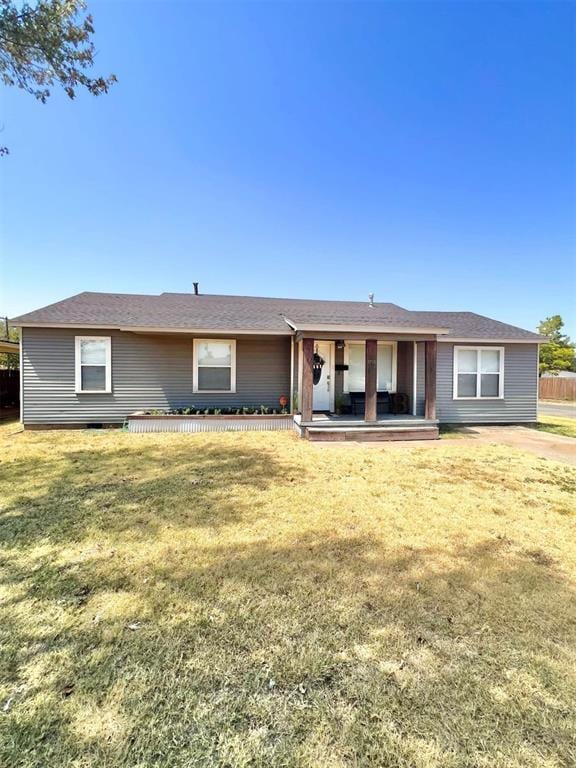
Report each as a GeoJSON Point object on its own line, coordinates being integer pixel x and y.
{"type": "Point", "coordinates": [559, 354]}
{"type": "Point", "coordinates": [48, 43]}
{"type": "Point", "coordinates": [7, 359]}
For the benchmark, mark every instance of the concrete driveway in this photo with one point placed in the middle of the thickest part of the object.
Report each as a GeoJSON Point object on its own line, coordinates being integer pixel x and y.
{"type": "Point", "coordinates": [543, 444]}
{"type": "Point", "coordinates": [566, 410]}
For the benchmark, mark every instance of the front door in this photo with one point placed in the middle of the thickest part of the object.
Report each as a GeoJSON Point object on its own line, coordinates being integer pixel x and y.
{"type": "Point", "coordinates": [322, 397]}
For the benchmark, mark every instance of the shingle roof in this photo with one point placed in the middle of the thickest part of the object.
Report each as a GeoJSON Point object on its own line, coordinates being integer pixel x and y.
{"type": "Point", "coordinates": [257, 314]}
{"type": "Point", "coordinates": [469, 325]}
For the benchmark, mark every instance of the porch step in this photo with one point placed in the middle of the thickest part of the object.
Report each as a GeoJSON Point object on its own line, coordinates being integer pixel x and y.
{"type": "Point", "coordinates": [371, 434]}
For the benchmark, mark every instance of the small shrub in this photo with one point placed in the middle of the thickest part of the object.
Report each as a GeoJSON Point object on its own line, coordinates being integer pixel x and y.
{"type": "Point", "coordinates": [192, 410]}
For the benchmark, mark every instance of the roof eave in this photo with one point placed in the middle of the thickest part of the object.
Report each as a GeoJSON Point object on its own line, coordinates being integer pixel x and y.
{"type": "Point", "coordinates": [156, 329]}
{"type": "Point", "coordinates": [493, 340]}
{"type": "Point", "coordinates": [352, 328]}
{"type": "Point", "coordinates": [11, 347]}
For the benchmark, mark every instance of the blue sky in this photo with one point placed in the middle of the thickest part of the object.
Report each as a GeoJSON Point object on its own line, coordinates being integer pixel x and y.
{"type": "Point", "coordinates": [423, 151]}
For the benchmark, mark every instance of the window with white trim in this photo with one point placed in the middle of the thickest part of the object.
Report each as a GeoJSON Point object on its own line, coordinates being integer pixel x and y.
{"type": "Point", "coordinates": [214, 365]}
{"type": "Point", "coordinates": [478, 373]}
{"type": "Point", "coordinates": [355, 356]}
{"type": "Point", "coordinates": [93, 364]}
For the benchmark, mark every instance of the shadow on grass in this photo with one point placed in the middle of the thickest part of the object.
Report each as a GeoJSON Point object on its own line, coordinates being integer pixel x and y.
{"type": "Point", "coordinates": [449, 431]}
{"type": "Point", "coordinates": [133, 492]}
{"type": "Point", "coordinates": [318, 649]}
{"type": "Point", "coordinates": [566, 427]}
{"type": "Point", "coordinates": [9, 415]}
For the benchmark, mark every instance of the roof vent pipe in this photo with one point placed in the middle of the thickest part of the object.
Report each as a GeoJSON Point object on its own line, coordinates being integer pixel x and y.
{"type": "Point", "coordinates": [195, 289]}
{"type": "Point", "coordinates": [370, 299]}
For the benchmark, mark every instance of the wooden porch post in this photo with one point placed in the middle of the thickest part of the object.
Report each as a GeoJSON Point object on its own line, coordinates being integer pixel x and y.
{"type": "Point", "coordinates": [307, 379]}
{"type": "Point", "coordinates": [370, 380]}
{"type": "Point", "coordinates": [430, 379]}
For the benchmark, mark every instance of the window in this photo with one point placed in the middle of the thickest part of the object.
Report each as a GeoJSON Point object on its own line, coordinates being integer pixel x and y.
{"type": "Point", "coordinates": [386, 366]}
{"type": "Point", "coordinates": [478, 372]}
{"type": "Point", "coordinates": [214, 365]}
{"type": "Point", "coordinates": [356, 368]}
{"type": "Point", "coordinates": [93, 364]}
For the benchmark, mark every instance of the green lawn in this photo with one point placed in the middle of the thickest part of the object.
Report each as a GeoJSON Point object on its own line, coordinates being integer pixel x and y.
{"type": "Point", "coordinates": [557, 425]}
{"type": "Point", "coordinates": [172, 601]}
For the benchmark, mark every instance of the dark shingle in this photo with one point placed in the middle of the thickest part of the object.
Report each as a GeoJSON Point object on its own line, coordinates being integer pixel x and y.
{"type": "Point", "coordinates": [249, 313]}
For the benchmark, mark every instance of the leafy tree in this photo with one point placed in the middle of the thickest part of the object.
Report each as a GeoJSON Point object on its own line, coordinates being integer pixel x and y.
{"type": "Point", "coordinates": [559, 353]}
{"type": "Point", "coordinates": [9, 359]}
{"type": "Point", "coordinates": [48, 43]}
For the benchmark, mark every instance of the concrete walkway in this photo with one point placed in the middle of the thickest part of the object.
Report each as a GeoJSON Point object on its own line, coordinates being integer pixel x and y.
{"type": "Point", "coordinates": [566, 410]}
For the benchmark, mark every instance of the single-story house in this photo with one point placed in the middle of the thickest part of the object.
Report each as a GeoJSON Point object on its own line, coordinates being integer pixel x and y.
{"type": "Point", "coordinates": [336, 369]}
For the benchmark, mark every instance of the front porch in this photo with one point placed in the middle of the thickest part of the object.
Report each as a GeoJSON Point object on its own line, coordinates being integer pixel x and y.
{"type": "Point", "coordinates": [357, 388]}
{"type": "Point", "coordinates": [330, 427]}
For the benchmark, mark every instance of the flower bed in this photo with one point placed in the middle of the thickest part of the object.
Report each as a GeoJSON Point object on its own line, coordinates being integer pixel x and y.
{"type": "Point", "coordinates": [209, 420]}
{"type": "Point", "coordinates": [246, 410]}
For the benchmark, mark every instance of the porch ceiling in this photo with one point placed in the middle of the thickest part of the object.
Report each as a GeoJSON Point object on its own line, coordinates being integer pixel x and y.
{"type": "Point", "coordinates": [9, 346]}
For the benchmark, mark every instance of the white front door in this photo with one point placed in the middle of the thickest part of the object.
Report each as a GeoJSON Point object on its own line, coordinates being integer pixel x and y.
{"type": "Point", "coordinates": [322, 397]}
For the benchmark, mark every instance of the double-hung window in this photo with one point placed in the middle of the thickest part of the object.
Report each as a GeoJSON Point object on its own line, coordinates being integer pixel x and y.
{"type": "Point", "coordinates": [214, 365]}
{"type": "Point", "coordinates": [93, 364]}
{"type": "Point", "coordinates": [478, 372]}
{"type": "Point", "coordinates": [386, 366]}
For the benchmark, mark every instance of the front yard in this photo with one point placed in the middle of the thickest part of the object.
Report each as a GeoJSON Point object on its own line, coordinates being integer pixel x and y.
{"type": "Point", "coordinates": [251, 599]}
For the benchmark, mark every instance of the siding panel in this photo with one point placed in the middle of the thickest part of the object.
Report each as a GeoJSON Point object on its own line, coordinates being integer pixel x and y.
{"type": "Point", "coordinates": [520, 403]}
{"type": "Point", "coordinates": [148, 371]}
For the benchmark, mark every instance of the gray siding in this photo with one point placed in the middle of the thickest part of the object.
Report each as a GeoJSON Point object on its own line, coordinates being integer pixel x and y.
{"type": "Point", "coordinates": [155, 371]}
{"type": "Point", "coordinates": [520, 402]}
{"type": "Point", "coordinates": [148, 371]}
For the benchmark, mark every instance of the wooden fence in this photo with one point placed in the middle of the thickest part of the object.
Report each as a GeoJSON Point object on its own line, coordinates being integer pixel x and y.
{"type": "Point", "coordinates": [9, 387]}
{"type": "Point", "coordinates": [557, 388]}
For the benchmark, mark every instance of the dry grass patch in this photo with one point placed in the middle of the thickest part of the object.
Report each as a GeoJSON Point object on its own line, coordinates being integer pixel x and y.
{"type": "Point", "coordinates": [250, 600]}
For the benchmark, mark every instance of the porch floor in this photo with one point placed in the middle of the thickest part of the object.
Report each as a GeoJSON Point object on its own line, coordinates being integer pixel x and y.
{"type": "Point", "coordinates": [384, 419]}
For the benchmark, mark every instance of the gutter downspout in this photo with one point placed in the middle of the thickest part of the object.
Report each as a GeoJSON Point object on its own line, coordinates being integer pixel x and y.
{"type": "Point", "coordinates": [414, 378]}
{"type": "Point", "coordinates": [292, 374]}
{"type": "Point", "coordinates": [21, 377]}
